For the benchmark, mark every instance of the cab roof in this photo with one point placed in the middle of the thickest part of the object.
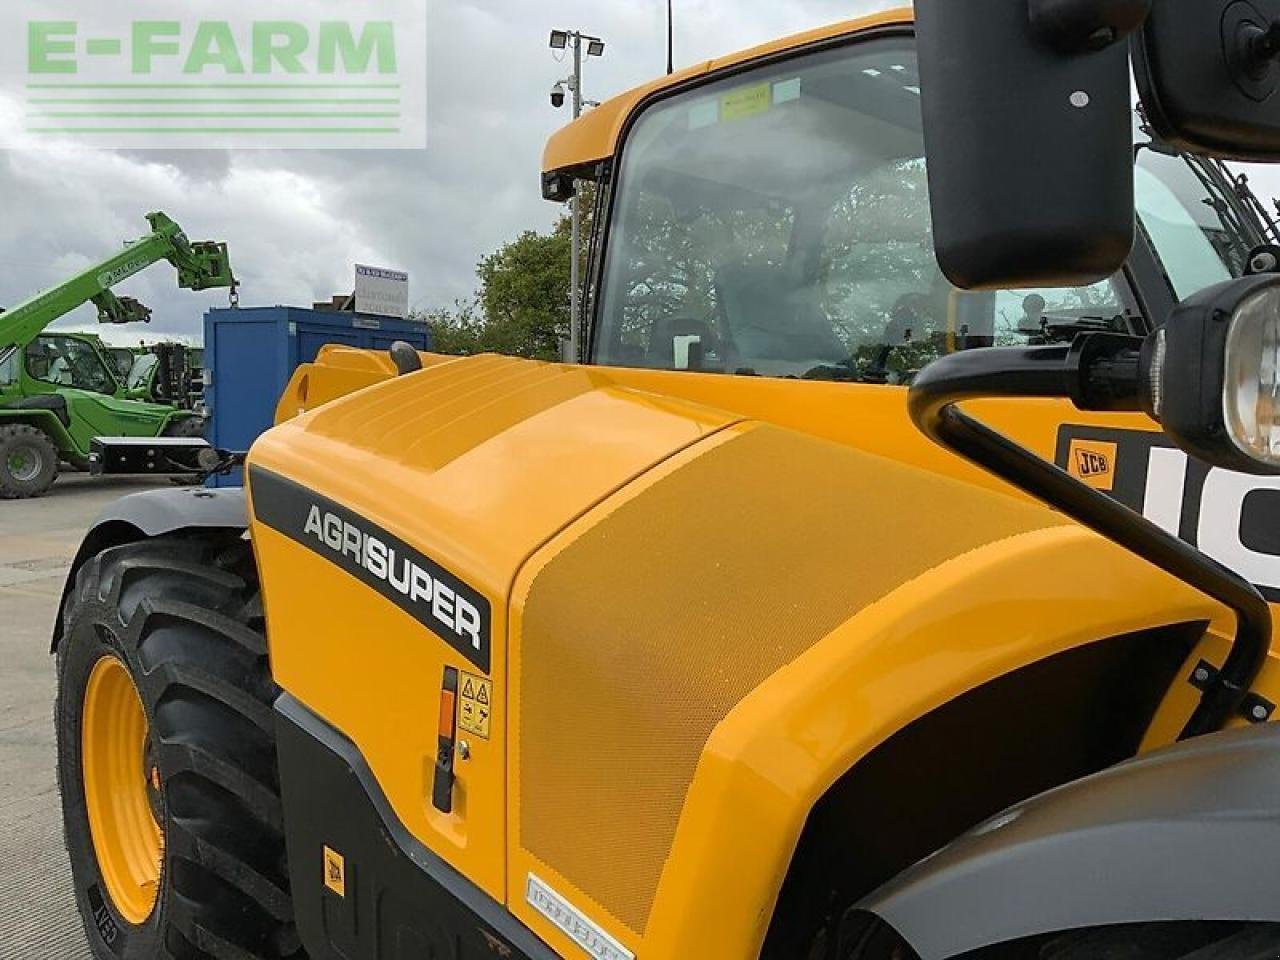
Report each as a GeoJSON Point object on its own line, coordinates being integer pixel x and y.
{"type": "Point", "coordinates": [594, 136]}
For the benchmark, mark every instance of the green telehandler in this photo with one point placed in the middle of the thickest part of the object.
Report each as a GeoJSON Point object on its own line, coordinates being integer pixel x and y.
{"type": "Point", "coordinates": [58, 390]}
{"type": "Point", "coordinates": [167, 371]}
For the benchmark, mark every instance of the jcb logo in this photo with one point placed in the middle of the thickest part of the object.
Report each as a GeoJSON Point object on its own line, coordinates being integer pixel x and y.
{"type": "Point", "coordinates": [1232, 517]}
{"type": "Point", "coordinates": [1092, 464]}
{"type": "Point", "coordinates": [1091, 461]}
{"type": "Point", "coordinates": [335, 872]}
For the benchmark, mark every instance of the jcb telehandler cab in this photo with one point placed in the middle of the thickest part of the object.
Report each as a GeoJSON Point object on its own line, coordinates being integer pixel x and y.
{"type": "Point", "coordinates": [702, 649]}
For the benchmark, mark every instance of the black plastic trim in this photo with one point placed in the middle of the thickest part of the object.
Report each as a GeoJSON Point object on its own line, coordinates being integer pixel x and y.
{"type": "Point", "coordinates": [453, 610]}
{"type": "Point", "coordinates": [155, 513]}
{"type": "Point", "coordinates": [1191, 832]}
{"type": "Point", "coordinates": [401, 900]}
{"type": "Point", "coordinates": [1149, 284]}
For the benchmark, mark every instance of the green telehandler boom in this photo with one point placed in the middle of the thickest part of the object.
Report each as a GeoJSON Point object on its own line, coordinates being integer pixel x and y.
{"type": "Point", "coordinates": [58, 390]}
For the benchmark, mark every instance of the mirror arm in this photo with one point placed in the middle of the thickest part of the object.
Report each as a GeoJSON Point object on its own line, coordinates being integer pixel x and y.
{"type": "Point", "coordinates": [1081, 26]}
{"type": "Point", "coordinates": [1055, 372]}
{"type": "Point", "coordinates": [1263, 42]}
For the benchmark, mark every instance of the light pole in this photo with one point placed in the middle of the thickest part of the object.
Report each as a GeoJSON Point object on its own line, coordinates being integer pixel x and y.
{"type": "Point", "coordinates": [671, 40]}
{"type": "Point", "coordinates": [560, 40]}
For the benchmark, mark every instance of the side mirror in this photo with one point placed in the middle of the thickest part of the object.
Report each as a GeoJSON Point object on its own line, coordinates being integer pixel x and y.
{"type": "Point", "coordinates": [1209, 76]}
{"type": "Point", "coordinates": [1029, 137]}
{"type": "Point", "coordinates": [1211, 375]}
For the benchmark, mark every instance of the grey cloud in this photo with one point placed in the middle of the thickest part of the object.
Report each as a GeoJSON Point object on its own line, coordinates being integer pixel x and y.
{"type": "Point", "coordinates": [298, 220]}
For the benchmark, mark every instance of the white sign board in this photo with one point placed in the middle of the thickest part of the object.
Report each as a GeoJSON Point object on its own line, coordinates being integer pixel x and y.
{"type": "Point", "coordinates": [382, 293]}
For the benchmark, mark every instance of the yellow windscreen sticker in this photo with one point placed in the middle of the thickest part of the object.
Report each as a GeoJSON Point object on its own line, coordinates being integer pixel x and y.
{"type": "Point", "coordinates": [746, 102]}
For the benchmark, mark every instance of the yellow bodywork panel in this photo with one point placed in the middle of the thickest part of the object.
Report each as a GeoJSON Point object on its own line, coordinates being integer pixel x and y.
{"type": "Point", "coordinates": [800, 535]}
{"type": "Point", "coordinates": [932, 639]}
{"type": "Point", "coordinates": [711, 596]}
{"type": "Point", "coordinates": [337, 371]}
{"type": "Point", "coordinates": [443, 460]}
{"type": "Point", "coordinates": [783, 605]}
{"type": "Point", "coordinates": [596, 135]}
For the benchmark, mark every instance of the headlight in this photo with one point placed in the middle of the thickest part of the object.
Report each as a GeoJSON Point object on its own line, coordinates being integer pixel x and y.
{"type": "Point", "coordinates": [1251, 383]}
{"type": "Point", "coordinates": [1211, 375]}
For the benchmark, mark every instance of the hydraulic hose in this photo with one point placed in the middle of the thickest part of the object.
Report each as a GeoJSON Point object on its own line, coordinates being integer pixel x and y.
{"type": "Point", "coordinates": [1049, 372]}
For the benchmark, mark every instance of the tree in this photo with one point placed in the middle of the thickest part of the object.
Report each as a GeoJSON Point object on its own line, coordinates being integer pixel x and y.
{"type": "Point", "coordinates": [522, 307]}
{"type": "Point", "coordinates": [455, 331]}
{"type": "Point", "coordinates": [524, 294]}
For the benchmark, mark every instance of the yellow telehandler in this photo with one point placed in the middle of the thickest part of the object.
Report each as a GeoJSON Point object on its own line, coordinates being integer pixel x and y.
{"type": "Point", "coordinates": [891, 577]}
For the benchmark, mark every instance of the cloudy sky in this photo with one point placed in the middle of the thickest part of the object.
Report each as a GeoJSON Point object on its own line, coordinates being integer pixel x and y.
{"type": "Point", "coordinates": [298, 220]}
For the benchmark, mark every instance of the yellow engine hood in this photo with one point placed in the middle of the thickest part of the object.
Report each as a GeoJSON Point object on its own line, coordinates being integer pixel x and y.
{"type": "Point", "coordinates": [662, 571]}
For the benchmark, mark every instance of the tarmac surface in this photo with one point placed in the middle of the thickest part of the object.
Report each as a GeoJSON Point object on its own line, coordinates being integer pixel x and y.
{"type": "Point", "coordinates": [38, 539]}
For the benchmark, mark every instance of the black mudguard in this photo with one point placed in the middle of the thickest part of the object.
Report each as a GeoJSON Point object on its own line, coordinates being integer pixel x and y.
{"type": "Point", "coordinates": [1187, 833]}
{"type": "Point", "coordinates": [155, 513]}
{"type": "Point", "coordinates": [393, 898]}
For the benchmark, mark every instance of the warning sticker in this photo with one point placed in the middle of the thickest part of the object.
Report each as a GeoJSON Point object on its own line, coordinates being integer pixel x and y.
{"type": "Point", "coordinates": [335, 872]}
{"type": "Point", "coordinates": [475, 705]}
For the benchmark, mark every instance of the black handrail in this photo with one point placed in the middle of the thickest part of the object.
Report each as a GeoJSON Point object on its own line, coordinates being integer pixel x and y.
{"type": "Point", "coordinates": [1050, 372]}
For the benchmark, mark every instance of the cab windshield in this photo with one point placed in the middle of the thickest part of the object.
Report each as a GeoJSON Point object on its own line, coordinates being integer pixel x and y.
{"type": "Point", "coordinates": [776, 223]}
{"type": "Point", "coordinates": [1202, 219]}
{"type": "Point", "coordinates": [68, 362]}
{"type": "Point", "coordinates": [141, 372]}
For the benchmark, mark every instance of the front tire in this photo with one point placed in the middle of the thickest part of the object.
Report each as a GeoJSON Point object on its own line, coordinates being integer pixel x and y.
{"type": "Point", "coordinates": [28, 462]}
{"type": "Point", "coordinates": [176, 743]}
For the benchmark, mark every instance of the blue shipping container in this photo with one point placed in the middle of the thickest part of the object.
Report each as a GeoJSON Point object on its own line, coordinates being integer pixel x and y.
{"type": "Point", "coordinates": [250, 354]}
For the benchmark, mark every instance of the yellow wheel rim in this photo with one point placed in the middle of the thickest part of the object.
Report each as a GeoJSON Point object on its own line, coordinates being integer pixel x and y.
{"type": "Point", "coordinates": [118, 783]}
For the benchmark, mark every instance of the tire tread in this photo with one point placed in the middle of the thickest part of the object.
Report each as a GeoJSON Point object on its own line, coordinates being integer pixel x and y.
{"type": "Point", "coordinates": [189, 607]}
{"type": "Point", "coordinates": [10, 490]}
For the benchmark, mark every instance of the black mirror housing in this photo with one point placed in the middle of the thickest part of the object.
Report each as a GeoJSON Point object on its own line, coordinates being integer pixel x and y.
{"type": "Point", "coordinates": [1209, 76]}
{"type": "Point", "coordinates": [1079, 26]}
{"type": "Point", "coordinates": [1030, 148]}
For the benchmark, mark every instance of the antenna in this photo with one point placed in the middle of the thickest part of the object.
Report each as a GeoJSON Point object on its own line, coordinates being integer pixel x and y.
{"type": "Point", "coordinates": [671, 68]}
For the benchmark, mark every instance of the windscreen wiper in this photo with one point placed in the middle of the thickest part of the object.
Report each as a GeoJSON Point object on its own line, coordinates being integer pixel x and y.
{"type": "Point", "coordinates": [1246, 222]}
{"type": "Point", "coordinates": [1242, 213]}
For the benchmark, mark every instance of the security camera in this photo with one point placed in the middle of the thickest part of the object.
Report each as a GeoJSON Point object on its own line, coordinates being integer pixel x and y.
{"type": "Point", "coordinates": [557, 95]}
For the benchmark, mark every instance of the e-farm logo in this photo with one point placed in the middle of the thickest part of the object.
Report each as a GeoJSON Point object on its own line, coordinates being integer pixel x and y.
{"type": "Point", "coordinates": [306, 73]}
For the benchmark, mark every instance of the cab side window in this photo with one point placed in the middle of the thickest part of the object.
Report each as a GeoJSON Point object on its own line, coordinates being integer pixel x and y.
{"type": "Point", "coordinates": [777, 223]}
{"type": "Point", "coordinates": [9, 368]}
{"type": "Point", "coordinates": [68, 362]}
